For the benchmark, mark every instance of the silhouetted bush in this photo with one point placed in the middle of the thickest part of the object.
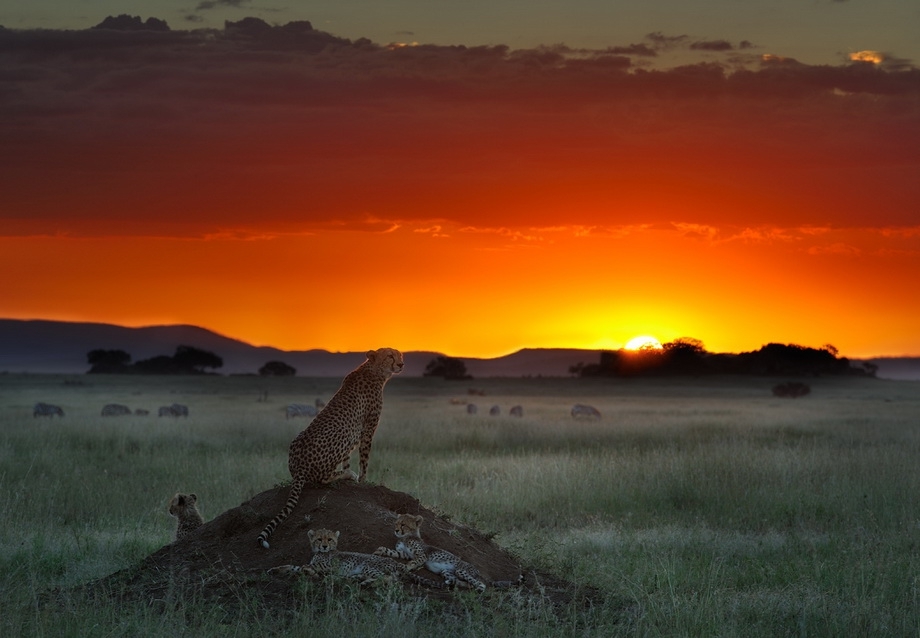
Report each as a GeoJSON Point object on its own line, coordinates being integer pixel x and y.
{"type": "Point", "coordinates": [791, 390]}
{"type": "Point", "coordinates": [687, 356]}
{"type": "Point", "coordinates": [277, 369]}
{"type": "Point", "coordinates": [447, 367]}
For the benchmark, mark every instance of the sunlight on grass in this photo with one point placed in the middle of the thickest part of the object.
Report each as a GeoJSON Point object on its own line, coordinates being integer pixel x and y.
{"type": "Point", "coordinates": [697, 507]}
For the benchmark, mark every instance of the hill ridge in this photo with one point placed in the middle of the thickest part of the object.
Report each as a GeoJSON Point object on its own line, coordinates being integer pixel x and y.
{"type": "Point", "coordinates": [60, 347]}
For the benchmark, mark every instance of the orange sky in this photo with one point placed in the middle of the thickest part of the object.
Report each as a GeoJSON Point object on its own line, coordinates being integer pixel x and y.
{"type": "Point", "coordinates": [470, 201]}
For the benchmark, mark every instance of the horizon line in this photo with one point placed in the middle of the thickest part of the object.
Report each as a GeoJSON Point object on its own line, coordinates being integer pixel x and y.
{"type": "Point", "coordinates": [431, 351]}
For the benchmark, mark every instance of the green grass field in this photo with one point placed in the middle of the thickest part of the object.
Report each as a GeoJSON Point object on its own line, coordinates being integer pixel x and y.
{"type": "Point", "coordinates": [701, 507]}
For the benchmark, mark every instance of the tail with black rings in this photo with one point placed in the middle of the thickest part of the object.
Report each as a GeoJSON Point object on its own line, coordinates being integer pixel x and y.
{"type": "Point", "coordinates": [293, 499]}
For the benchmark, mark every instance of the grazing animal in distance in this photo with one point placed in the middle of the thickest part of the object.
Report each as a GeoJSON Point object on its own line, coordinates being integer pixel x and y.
{"type": "Point", "coordinates": [175, 410]}
{"type": "Point", "coordinates": [141, 412]}
{"type": "Point", "coordinates": [495, 411]}
{"type": "Point", "coordinates": [294, 410]}
{"type": "Point", "coordinates": [47, 409]}
{"type": "Point", "coordinates": [347, 422]}
{"type": "Point", "coordinates": [115, 409]}
{"type": "Point", "coordinates": [471, 408]}
{"type": "Point", "coordinates": [410, 546]}
{"type": "Point", "coordinates": [184, 507]}
{"type": "Point", "coordinates": [580, 410]}
{"type": "Point", "coordinates": [516, 411]}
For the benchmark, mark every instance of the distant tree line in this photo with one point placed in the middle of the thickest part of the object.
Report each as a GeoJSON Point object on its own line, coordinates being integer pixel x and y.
{"type": "Point", "coordinates": [186, 360]}
{"type": "Point", "coordinates": [687, 356]}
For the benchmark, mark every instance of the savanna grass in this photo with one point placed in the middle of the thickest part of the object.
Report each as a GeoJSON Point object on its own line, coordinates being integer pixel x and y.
{"type": "Point", "coordinates": [697, 507]}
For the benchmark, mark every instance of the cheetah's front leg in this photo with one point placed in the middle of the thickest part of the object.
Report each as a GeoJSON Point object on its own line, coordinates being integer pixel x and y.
{"type": "Point", "coordinates": [342, 474]}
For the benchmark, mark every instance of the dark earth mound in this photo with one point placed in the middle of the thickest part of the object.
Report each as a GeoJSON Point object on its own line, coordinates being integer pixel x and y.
{"type": "Point", "coordinates": [223, 561]}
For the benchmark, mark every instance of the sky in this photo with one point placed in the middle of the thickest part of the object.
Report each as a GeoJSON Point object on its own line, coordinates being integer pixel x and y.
{"type": "Point", "coordinates": [471, 178]}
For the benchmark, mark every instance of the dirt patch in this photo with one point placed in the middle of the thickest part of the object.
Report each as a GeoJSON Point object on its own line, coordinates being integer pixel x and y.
{"type": "Point", "coordinates": [222, 559]}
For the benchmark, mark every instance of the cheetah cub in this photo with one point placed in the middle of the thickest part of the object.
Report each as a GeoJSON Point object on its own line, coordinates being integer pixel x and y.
{"type": "Point", "coordinates": [184, 508]}
{"type": "Point", "coordinates": [440, 561]}
{"type": "Point", "coordinates": [327, 559]}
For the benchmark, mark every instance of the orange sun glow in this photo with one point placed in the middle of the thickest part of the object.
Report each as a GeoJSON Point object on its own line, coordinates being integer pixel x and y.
{"type": "Point", "coordinates": [643, 342]}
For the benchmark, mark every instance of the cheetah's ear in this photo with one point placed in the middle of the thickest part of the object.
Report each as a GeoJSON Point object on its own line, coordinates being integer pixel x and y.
{"type": "Point", "coordinates": [371, 355]}
{"type": "Point", "coordinates": [180, 499]}
{"type": "Point", "coordinates": [192, 498]}
{"type": "Point", "coordinates": [336, 535]}
{"type": "Point", "coordinates": [311, 535]}
{"type": "Point", "coordinates": [419, 519]}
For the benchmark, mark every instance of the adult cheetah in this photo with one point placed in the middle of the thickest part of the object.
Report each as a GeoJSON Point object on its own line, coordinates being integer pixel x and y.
{"type": "Point", "coordinates": [348, 420]}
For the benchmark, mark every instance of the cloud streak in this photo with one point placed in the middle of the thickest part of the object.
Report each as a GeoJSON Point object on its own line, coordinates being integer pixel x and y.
{"type": "Point", "coordinates": [290, 129]}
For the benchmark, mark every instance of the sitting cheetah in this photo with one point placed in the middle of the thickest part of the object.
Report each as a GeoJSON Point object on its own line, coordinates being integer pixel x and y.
{"type": "Point", "coordinates": [348, 421]}
{"type": "Point", "coordinates": [188, 518]}
{"type": "Point", "coordinates": [327, 559]}
{"type": "Point", "coordinates": [440, 561]}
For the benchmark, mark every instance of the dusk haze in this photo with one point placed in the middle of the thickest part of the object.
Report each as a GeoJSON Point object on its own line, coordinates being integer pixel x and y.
{"type": "Point", "coordinates": [472, 179]}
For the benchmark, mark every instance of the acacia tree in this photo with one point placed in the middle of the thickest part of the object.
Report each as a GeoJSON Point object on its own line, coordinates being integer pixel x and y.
{"type": "Point", "coordinates": [447, 367]}
{"type": "Point", "coordinates": [107, 361]}
{"type": "Point", "coordinates": [195, 359]}
{"type": "Point", "coordinates": [684, 355]}
{"type": "Point", "coordinates": [277, 369]}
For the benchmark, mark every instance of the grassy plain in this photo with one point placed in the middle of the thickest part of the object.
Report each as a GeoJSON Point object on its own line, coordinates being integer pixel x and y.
{"type": "Point", "coordinates": [705, 507]}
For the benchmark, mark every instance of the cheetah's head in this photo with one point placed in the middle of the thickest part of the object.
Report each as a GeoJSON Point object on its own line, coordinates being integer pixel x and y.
{"type": "Point", "coordinates": [181, 503]}
{"type": "Point", "coordinates": [389, 360]}
{"type": "Point", "coordinates": [323, 540]}
{"type": "Point", "coordinates": [407, 525]}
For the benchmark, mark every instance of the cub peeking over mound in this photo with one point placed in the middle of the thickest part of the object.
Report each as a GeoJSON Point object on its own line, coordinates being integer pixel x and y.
{"type": "Point", "coordinates": [184, 507]}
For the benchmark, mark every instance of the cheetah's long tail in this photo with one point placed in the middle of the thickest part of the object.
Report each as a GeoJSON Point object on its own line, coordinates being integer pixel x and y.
{"type": "Point", "coordinates": [293, 498]}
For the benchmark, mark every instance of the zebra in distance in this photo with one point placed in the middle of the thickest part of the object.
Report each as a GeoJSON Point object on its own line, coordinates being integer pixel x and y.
{"type": "Point", "coordinates": [47, 409]}
{"type": "Point", "coordinates": [115, 409]}
{"type": "Point", "coordinates": [294, 410]}
{"type": "Point", "coordinates": [175, 410]}
{"type": "Point", "coordinates": [580, 410]}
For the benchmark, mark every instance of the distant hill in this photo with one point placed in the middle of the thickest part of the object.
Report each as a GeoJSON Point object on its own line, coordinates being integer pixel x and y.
{"type": "Point", "coordinates": [898, 368]}
{"type": "Point", "coordinates": [40, 346]}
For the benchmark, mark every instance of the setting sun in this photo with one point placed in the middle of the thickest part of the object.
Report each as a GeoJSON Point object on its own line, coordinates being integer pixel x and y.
{"type": "Point", "coordinates": [643, 342]}
{"type": "Point", "coordinates": [501, 200]}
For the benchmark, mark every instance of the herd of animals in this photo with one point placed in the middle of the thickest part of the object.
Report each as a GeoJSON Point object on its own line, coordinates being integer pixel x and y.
{"type": "Point", "coordinates": [320, 455]}
{"type": "Point", "coordinates": [113, 409]}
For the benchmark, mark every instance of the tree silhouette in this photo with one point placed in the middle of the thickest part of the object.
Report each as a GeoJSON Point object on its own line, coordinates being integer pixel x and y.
{"type": "Point", "coordinates": [687, 355]}
{"type": "Point", "coordinates": [195, 360]}
{"type": "Point", "coordinates": [161, 364]}
{"type": "Point", "coordinates": [447, 367]}
{"type": "Point", "coordinates": [683, 356]}
{"type": "Point", "coordinates": [277, 369]}
{"type": "Point", "coordinates": [107, 361]}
